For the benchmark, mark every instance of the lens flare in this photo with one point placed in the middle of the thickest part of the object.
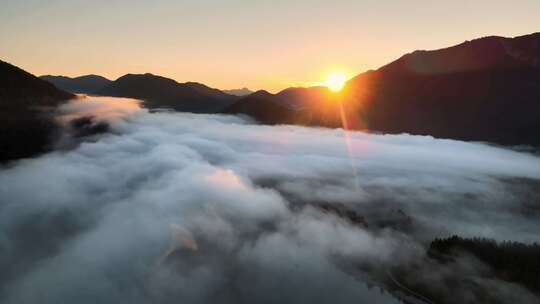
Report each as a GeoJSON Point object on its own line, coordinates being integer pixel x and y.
{"type": "Point", "coordinates": [335, 81]}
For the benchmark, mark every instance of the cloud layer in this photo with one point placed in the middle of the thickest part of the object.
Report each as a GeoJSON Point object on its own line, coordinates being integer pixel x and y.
{"type": "Point", "coordinates": [172, 207]}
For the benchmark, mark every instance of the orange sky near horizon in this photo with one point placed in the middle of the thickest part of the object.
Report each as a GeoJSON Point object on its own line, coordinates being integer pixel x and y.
{"type": "Point", "coordinates": [243, 43]}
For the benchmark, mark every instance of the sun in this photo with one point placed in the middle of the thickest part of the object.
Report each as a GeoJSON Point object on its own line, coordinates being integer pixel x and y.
{"type": "Point", "coordinates": [335, 81]}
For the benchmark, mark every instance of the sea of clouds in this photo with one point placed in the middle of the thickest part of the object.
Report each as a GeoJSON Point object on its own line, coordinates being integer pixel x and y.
{"type": "Point", "coordinates": [176, 207]}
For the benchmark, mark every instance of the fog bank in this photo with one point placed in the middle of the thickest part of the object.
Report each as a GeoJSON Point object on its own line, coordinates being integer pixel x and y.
{"type": "Point", "coordinates": [169, 207]}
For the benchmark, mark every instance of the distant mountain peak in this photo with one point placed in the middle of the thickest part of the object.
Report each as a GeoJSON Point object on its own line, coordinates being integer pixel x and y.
{"type": "Point", "coordinates": [239, 92]}
{"type": "Point", "coordinates": [158, 91]}
{"type": "Point", "coordinates": [261, 93]}
{"type": "Point", "coordinates": [88, 84]}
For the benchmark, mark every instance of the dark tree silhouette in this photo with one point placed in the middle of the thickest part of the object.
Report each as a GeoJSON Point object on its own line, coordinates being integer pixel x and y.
{"type": "Point", "coordinates": [511, 261]}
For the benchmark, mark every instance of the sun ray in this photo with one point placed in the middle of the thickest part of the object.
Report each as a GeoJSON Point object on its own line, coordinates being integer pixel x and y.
{"type": "Point", "coordinates": [335, 81]}
{"type": "Point", "coordinates": [349, 145]}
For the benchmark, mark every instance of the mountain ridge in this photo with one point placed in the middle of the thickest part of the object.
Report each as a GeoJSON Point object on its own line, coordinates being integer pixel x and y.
{"type": "Point", "coordinates": [87, 84]}
{"type": "Point", "coordinates": [158, 92]}
{"type": "Point", "coordinates": [486, 89]}
{"type": "Point", "coordinates": [239, 92]}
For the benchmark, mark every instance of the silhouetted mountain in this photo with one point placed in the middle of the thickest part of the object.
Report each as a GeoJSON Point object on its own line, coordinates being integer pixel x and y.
{"type": "Point", "coordinates": [487, 89]}
{"type": "Point", "coordinates": [161, 92]}
{"type": "Point", "coordinates": [305, 97]}
{"type": "Point", "coordinates": [88, 84]}
{"type": "Point", "coordinates": [26, 126]}
{"type": "Point", "coordinates": [239, 92]}
{"type": "Point", "coordinates": [20, 89]}
{"type": "Point", "coordinates": [208, 91]}
{"type": "Point", "coordinates": [264, 107]}
{"type": "Point", "coordinates": [317, 106]}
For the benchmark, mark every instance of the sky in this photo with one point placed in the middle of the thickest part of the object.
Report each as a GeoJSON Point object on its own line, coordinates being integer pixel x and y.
{"type": "Point", "coordinates": [243, 43]}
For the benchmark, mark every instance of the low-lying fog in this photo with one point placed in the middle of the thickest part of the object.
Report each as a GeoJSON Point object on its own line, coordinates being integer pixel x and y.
{"type": "Point", "coordinates": [176, 207]}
